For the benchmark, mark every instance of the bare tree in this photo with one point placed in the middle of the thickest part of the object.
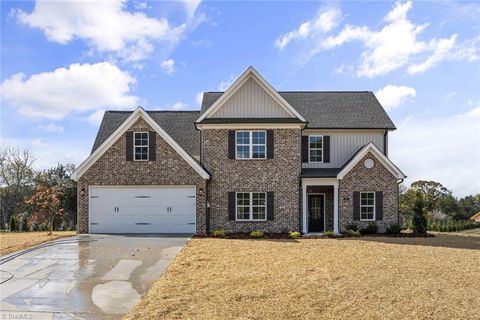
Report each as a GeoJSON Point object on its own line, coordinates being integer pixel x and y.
{"type": "Point", "coordinates": [16, 178]}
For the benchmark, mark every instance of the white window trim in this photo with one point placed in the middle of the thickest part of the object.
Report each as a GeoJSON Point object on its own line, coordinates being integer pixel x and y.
{"type": "Point", "coordinates": [314, 135]}
{"type": "Point", "coordinates": [148, 145]}
{"type": "Point", "coordinates": [250, 144]}
{"type": "Point", "coordinates": [250, 211]}
{"type": "Point", "coordinates": [374, 213]}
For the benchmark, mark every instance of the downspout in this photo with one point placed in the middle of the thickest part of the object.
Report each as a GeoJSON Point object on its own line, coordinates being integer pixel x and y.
{"type": "Point", "coordinates": [398, 200]}
{"type": "Point", "coordinates": [385, 143]}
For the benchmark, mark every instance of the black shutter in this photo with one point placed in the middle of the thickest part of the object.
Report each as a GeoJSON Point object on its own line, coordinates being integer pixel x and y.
{"type": "Point", "coordinates": [326, 149]}
{"type": "Point", "coordinates": [152, 146]}
{"type": "Point", "coordinates": [304, 149]}
{"type": "Point", "coordinates": [379, 205]}
{"type": "Point", "coordinates": [270, 144]}
{"type": "Point", "coordinates": [270, 205]}
{"type": "Point", "coordinates": [356, 205]}
{"type": "Point", "coordinates": [231, 206]}
{"type": "Point", "coordinates": [231, 144]}
{"type": "Point", "coordinates": [129, 146]}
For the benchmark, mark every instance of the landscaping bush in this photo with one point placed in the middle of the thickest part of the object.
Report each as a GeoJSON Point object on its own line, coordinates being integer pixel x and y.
{"type": "Point", "coordinates": [257, 234]}
{"type": "Point", "coordinates": [371, 228]}
{"type": "Point", "coordinates": [394, 229]}
{"type": "Point", "coordinates": [328, 234]}
{"type": "Point", "coordinates": [294, 234]}
{"type": "Point", "coordinates": [451, 226]}
{"type": "Point", "coordinates": [419, 222]}
{"type": "Point", "coordinates": [352, 226]}
{"type": "Point", "coordinates": [219, 233]}
{"type": "Point", "coordinates": [35, 227]}
{"type": "Point", "coordinates": [12, 224]}
{"type": "Point", "coordinates": [353, 233]}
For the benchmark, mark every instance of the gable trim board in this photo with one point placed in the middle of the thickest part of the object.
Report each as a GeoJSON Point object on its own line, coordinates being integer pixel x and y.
{"type": "Point", "coordinates": [251, 73]}
{"type": "Point", "coordinates": [137, 114]}
{"type": "Point", "coordinates": [397, 173]}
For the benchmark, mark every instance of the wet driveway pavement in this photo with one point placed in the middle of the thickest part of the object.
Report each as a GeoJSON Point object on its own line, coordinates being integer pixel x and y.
{"type": "Point", "coordinates": [84, 277]}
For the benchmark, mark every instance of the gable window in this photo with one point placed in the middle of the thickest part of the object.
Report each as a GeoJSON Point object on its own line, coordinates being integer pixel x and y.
{"type": "Point", "coordinates": [367, 206]}
{"type": "Point", "coordinates": [251, 206]}
{"type": "Point", "coordinates": [250, 144]}
{"type": "Point", "coordinates": [140, 146]}
{"type": "Point", "coordinates": [315, 148]}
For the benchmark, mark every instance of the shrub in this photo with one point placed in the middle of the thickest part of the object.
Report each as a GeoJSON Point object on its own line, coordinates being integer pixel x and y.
{"type": "Point", "coordinates": [394, 229]}
{"type": "Point", "coordinates": [352, 226]}
{"type": "Point", "coordinates": [257, 234]}
{"type": "Point", "coordinates": [25, 227]}
{"type": "Point", "coordinates": [294, 234]}
{"type": "Point", "coordinates": [353, 233]}
{"type": "Point", "coordinates": [419, 222]}
{"type": "Point", "coordinates": [219, 233]}
{"type": "Point", "coordinates": [451, 226]}
{"type": "Point", "coordinates": [328, 234]}
{"type": "Point", "coordinates": [12, 223]}
{"type": "Point", "coordinates": [35, 227]}
{"type": "Point", "coordinates": [371, 228]}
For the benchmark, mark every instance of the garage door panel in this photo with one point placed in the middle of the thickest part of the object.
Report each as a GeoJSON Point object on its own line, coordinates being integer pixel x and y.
{"type": "Point", "coordinates": [142, 209]}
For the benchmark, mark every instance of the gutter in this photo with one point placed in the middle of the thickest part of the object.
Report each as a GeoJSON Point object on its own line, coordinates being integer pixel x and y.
{"type": "Point", "coordinates": [398, 200]}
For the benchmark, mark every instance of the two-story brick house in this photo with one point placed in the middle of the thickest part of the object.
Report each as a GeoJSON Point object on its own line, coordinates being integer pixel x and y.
{"type": "Point", "coordinates": [251, 158]}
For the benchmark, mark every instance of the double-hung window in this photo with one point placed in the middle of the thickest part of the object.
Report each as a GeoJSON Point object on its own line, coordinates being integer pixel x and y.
{"type": "Point", "coordinates": [367, 206]}
{"type": "Point", "coordinates": [250, 144]}
{"type": "Point", "coordinates": [315, 148]}
{"type": "Point", "coordinates": [251, 206]}
{"type": "Point", "coordinates": [140, 146]}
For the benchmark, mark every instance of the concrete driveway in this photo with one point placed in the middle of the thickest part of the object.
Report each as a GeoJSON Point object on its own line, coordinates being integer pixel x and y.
{"type": "Point", "coordinates": [84, 277]}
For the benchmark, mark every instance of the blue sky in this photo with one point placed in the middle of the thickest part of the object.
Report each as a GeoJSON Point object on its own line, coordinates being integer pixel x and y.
{"type": "Point", "coordinates": [64, 63]}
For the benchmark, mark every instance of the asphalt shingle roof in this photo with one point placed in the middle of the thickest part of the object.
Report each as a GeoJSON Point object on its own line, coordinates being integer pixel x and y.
{"type": "Point", "coordinates": [330, 110]}
{"type": "Point", "coordinates": [178, 124]}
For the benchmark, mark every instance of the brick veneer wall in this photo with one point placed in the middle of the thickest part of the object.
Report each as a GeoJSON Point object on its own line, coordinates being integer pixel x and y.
{"type": "Point", "coordinates": [360, 178]}
{"type": "Point", "coordinates": [280, 175]}
{"type": "Point", "coordinates": [113, 169]}
{"type": "Point", "coordinates": [328, 190]}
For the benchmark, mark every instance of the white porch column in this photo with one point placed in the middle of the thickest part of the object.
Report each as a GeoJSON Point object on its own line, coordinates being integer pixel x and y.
{"type": "Point", "coordinates": [304, 207]}
{"type": "Point", "coordinates": [335, 208]}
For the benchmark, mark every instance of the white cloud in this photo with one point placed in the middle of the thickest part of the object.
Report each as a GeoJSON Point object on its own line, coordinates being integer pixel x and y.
{"type": "Point", "coordinates": [168, 66]}
{"type": "Point", "coordinates": [52, 127]}
{"type": "Point", "coordinates": [392, 96]}
{"type": "Point", "coordinates": [179, 106]}
{"type": "Point", "coordinates": [325, 21]}
{"type": "Point", "coordinates": [443, 149]}
{"type": "Point", "coordinates": [225, 84]}
{"type": "Point", "coordinates": [191, 6]}
{"type": "Point", "coordinates": [105, 25]}
{"type": "Point", "coordinates": [76, 89]}
{"type": "Point", "coordinates": [199, 98]}
{"type": "Point", "coordinates": [96, 117]}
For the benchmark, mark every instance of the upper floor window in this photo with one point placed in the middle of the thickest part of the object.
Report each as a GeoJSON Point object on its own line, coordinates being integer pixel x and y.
{"type": "Point", "coordinates": [251, 206]}
{"type": "Point", "coordinates": [367, 206]}
{"type": "Point", "coordinates": [250, 144]}
{"type": "Point", "coordinates": [315, 148]}
{"type": "Point", "coordinates": [140, 146]}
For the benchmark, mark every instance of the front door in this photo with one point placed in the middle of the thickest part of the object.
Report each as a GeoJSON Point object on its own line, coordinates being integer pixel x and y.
{"type": "Point", "coordinates": [316, 213]}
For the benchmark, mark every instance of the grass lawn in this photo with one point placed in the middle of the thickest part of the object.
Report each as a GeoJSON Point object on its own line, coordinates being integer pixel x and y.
{"type": "Point", "coordinates": [363, 278]}
{"type": "Point", "coordinates": [14, 241]}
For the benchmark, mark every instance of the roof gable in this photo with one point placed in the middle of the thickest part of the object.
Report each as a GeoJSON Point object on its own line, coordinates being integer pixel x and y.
{"type": "Point", "coordinates": [137, 114]}
{"type": "Point", "coordinates": [378, 155]}
{"type": "Point", "coordinates": [250, 84]}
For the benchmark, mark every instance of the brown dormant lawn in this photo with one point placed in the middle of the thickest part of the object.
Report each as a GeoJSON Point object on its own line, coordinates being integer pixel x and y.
{"type": "Point", "coordinates": [14, 241]}
{"type": "Point", "coordinates": [366, 278]}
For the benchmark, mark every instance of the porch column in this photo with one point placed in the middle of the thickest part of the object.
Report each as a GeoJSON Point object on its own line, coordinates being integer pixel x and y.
{"type": "Point", "coordinates": [335, 209]}
{"type": "Point", "coordinates": [304, 207]}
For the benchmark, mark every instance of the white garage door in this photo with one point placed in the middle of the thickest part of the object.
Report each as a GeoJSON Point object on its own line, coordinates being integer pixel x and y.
{"type": "Point", "coordinates": [159, 209]}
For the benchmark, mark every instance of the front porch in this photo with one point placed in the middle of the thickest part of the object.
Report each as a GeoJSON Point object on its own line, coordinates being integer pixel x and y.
{"type": "Point", "coordinates": [319, 205]}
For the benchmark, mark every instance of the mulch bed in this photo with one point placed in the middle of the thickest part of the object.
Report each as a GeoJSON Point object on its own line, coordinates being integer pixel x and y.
{"type": "Point", "coordinates": [315, 236]}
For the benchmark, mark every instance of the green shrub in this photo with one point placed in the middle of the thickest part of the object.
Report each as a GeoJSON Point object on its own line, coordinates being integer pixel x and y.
{"type": "Point", "coordinates": [12, 224]}
{"type": "Point", "coordinates": [219, 233]}
{"type": "Point", "coordinates": [352, 226]}
{"type": "Point", "coordinates": [394, 229]}
{"type": "Point", "coordinates": [353, 233]}
{"type": "Point", "coordinates": [257, 234]}
{"type": "Point", "coordinates": [328, 234]}
{"type": "Point", "coordinates": [451, 226]}
{"type": "Point", "coordinates": [294, 234]}
{"type": "Point", "coordinates": [371, 228]}
{"type": "Point", "coordinates": [35, 227]}
{"type": "Point", "coordinates": [419, 222]}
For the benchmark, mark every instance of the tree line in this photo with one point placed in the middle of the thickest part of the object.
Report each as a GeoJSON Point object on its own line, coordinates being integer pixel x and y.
{"type": "Point", "coordinates": [35, 200]}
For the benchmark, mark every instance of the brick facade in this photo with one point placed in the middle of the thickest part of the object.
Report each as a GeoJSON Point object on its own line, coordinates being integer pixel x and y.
{"type": "Point", "coordinates": [280, 175]}
{"type": "Point", "coordinates": [112, 169]}
{"type": "Point", "coordinates": [360, 178]}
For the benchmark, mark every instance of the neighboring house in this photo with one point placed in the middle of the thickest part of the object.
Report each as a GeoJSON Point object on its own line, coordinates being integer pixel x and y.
{"type": "Point", "coordinates": [475, 217]}
{"type": "Point", "coordinates": [251, 158]}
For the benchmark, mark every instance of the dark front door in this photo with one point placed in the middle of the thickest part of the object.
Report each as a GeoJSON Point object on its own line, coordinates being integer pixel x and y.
{"type": "Point", "coordinates": [316, 213]}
